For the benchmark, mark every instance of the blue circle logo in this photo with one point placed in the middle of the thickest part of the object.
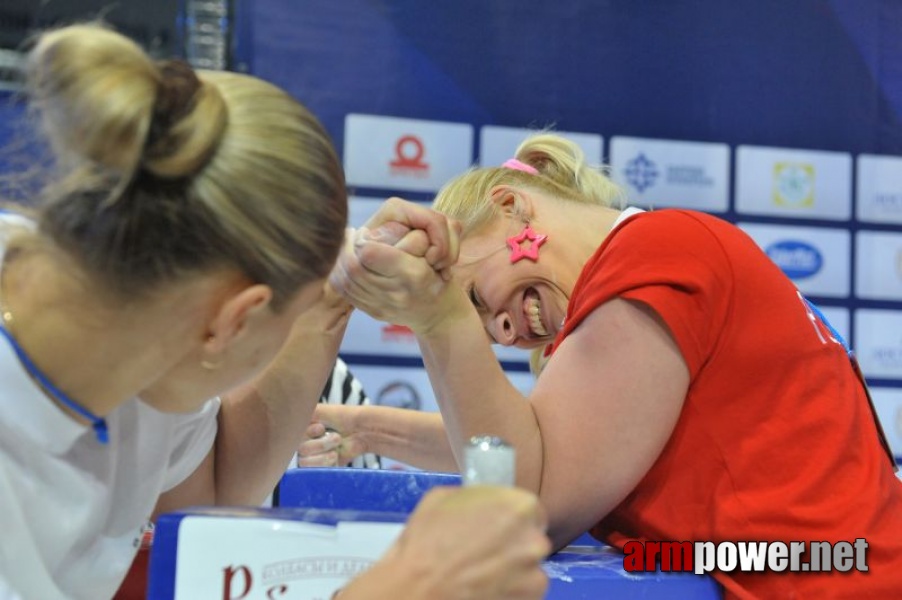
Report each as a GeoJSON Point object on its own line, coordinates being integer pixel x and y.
{"type": "Point", "coordinates": [797, 259]}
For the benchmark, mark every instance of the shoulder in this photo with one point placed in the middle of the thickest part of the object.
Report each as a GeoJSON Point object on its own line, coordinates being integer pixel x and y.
{"type": "Point", "coordinates": [670, 223]}
{"type": "Point", "coordinates": [661, 240]}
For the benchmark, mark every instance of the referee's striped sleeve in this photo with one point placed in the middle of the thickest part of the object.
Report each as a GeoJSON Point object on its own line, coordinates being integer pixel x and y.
{"type": "Point", "coordinates": [343, 388]}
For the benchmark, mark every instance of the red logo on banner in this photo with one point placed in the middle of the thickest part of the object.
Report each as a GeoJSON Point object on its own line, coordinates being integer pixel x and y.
{"type": "Point", "coordinates": [409, 152]}
{"type": "Point", "coordinates": [397, 333]}
{"type": "Point", "coordinates": [247, 582]}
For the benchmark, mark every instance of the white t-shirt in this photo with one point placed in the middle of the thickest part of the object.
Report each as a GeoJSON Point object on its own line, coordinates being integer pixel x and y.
{"type": "Point", "coordinates": [72, 509]}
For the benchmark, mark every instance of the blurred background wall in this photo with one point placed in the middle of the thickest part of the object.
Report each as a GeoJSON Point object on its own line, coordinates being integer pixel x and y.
{"type": "Point", "coordinates": [780, 115]}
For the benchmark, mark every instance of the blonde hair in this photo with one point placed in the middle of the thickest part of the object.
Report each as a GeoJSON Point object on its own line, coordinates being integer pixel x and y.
{"type": "Point", "coordinates": [538, 360]}
{"type": "Point", "coordinates": [562, 172]}
{"type": "Point", "coordinates": [164, 172]}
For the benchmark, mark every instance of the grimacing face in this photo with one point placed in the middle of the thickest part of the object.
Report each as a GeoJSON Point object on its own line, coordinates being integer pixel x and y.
{"type": "Point", "coordinates": [522, 304]}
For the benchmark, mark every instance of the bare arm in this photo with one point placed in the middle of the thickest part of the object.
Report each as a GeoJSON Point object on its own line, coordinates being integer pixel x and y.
{"type": "Point", "coordinates": [599, 416]}
{"type": "Point", "coordinates": [596, 421]}
{"type": "Point", "coordinates": [392, 284]}
{"type": "Point", "coordinates": [262, 423]}
{"type": "Point", "coordinates": [411, 436]}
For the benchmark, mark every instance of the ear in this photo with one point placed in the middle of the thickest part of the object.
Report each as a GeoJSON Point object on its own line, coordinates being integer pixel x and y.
{"type": "Point", "coordinates": [512, 202]}
{"type": "Point", "coordinates": [233, 315]}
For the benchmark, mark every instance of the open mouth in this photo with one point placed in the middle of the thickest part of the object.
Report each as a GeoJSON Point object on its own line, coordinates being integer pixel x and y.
{"type": "Point", "coordinates": [532, 308]}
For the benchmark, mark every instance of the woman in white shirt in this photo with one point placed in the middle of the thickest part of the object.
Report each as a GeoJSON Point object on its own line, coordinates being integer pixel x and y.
{"type": "Point", "coordinates": [191, 220]}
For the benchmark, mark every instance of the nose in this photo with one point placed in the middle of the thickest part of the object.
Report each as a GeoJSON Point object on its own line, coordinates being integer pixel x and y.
{"type": "Point", "coordinates": [501, 328]}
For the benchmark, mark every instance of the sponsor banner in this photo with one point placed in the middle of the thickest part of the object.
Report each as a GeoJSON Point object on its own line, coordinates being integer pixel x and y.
{"type": "Point", "coordinates": [878, 265]}
{"type": "Point", "coordinates": [839, 319]}
{"type": "Point", "coordinates": [258, 558]}
{"type": "Point", "coordinates": [405, 154]}
{"type": "Point", "coordinates": [878, 197]}
{"type": "Point", "coordinates": [888, 402]}
{"type": "Point", "coordinates": [802, 184]}
{"type": "Point", "coordinates": [665, 173]}
{"type": "Point", "coordinates": [497, 144]}
{"type": "Point", "coordinates": [366, 335]}
{"type": "Point", "coordinates": [397, 386]}
{"type": "Point", "coordinates": [815, 258]}
{"type": "Point", "coordinates": [878, 342]}
{"type": "Point", "coordinates": [409, 388]}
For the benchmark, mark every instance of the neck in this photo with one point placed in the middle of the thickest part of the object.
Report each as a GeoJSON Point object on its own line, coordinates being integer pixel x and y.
{"type": "Point", "coordinates": [97, 356]}
{"type": "Point", "coordinates": [593, 228]}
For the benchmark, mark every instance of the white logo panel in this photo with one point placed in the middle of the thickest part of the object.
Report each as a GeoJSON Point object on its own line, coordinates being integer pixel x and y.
{"type": "Point", "coordinates": [878, 342]}
{"type": "Point", "coordinates": [409, 387]}
{"type": "Point", "coordinates": [405, 154]}
{"type": "Point", "coordinates": [878, 197]}
{"type": "Point", "coordinates": [247, 557]}
{"type": "Point", "coordinates": [802, 184]}
{"type": "Point", "coordinates": [366, 335]}
{"type": "Point", "coordinates": [664, 173]}
{"type": "Point", "coordinates": [815, 258]}
{"type": "Point", "coordinates": [878, 265]}
{"type": "Point", "coordinates": [888, 402]}
{"type": "Point", "coordinates": [498, 144]}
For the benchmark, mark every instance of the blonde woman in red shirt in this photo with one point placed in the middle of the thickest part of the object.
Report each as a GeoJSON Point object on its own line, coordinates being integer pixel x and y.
{"type": "Point", "coordinates": [692, 393]}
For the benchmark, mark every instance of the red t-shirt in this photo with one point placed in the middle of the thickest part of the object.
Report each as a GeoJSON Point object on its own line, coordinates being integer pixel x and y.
{"type": "Point", "coordinates": [776, 440]}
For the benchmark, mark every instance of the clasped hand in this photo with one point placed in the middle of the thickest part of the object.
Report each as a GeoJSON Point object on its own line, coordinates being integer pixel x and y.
{"type": "Point", "coordinates": [397, 266]}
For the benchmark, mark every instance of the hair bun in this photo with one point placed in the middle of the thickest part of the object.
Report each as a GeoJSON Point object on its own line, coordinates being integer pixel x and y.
{"type": "Point", "coordinates": [188, 119]}
{"type": "Point", "coordinates": [176, 97]}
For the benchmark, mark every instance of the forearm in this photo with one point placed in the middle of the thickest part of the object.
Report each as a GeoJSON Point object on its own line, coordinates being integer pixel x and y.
{"type": "Point", "coordinates": [413, 437]}
{"type": "Point", "coordinates": [475, 395]}
{"type": "Point", "coordinates": [262, 423]}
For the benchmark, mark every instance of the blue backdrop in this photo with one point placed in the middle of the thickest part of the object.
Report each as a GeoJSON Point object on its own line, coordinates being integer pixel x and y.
{"type": "Point", "coordinates": [804, 74]}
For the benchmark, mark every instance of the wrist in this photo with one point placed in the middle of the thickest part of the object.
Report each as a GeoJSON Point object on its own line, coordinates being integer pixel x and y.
{"type": "Point", "coordinates": [451, 307]}
{"type": "Point", "coordinates": [359, 424]}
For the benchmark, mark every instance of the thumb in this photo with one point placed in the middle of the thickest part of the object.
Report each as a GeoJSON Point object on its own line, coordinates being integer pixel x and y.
{"type": "Point", "coordinates": [389, 233]}
{"type": "Point", "coordinates": [315, 430]}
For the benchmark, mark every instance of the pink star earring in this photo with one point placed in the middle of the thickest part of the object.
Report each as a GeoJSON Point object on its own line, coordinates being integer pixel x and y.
{"type": "Point", "coordinates": [531, 251]}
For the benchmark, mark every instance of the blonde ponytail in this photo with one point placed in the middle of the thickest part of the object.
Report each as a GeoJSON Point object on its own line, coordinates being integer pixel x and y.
{"type": "Point", "coordinates": [563, 162]}
{"type": "Point", "coordinates": [561, 171]}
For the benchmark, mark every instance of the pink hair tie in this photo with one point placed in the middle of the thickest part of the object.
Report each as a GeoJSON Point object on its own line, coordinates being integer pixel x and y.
{"type": "Point", "coordinates": [517, 165]}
